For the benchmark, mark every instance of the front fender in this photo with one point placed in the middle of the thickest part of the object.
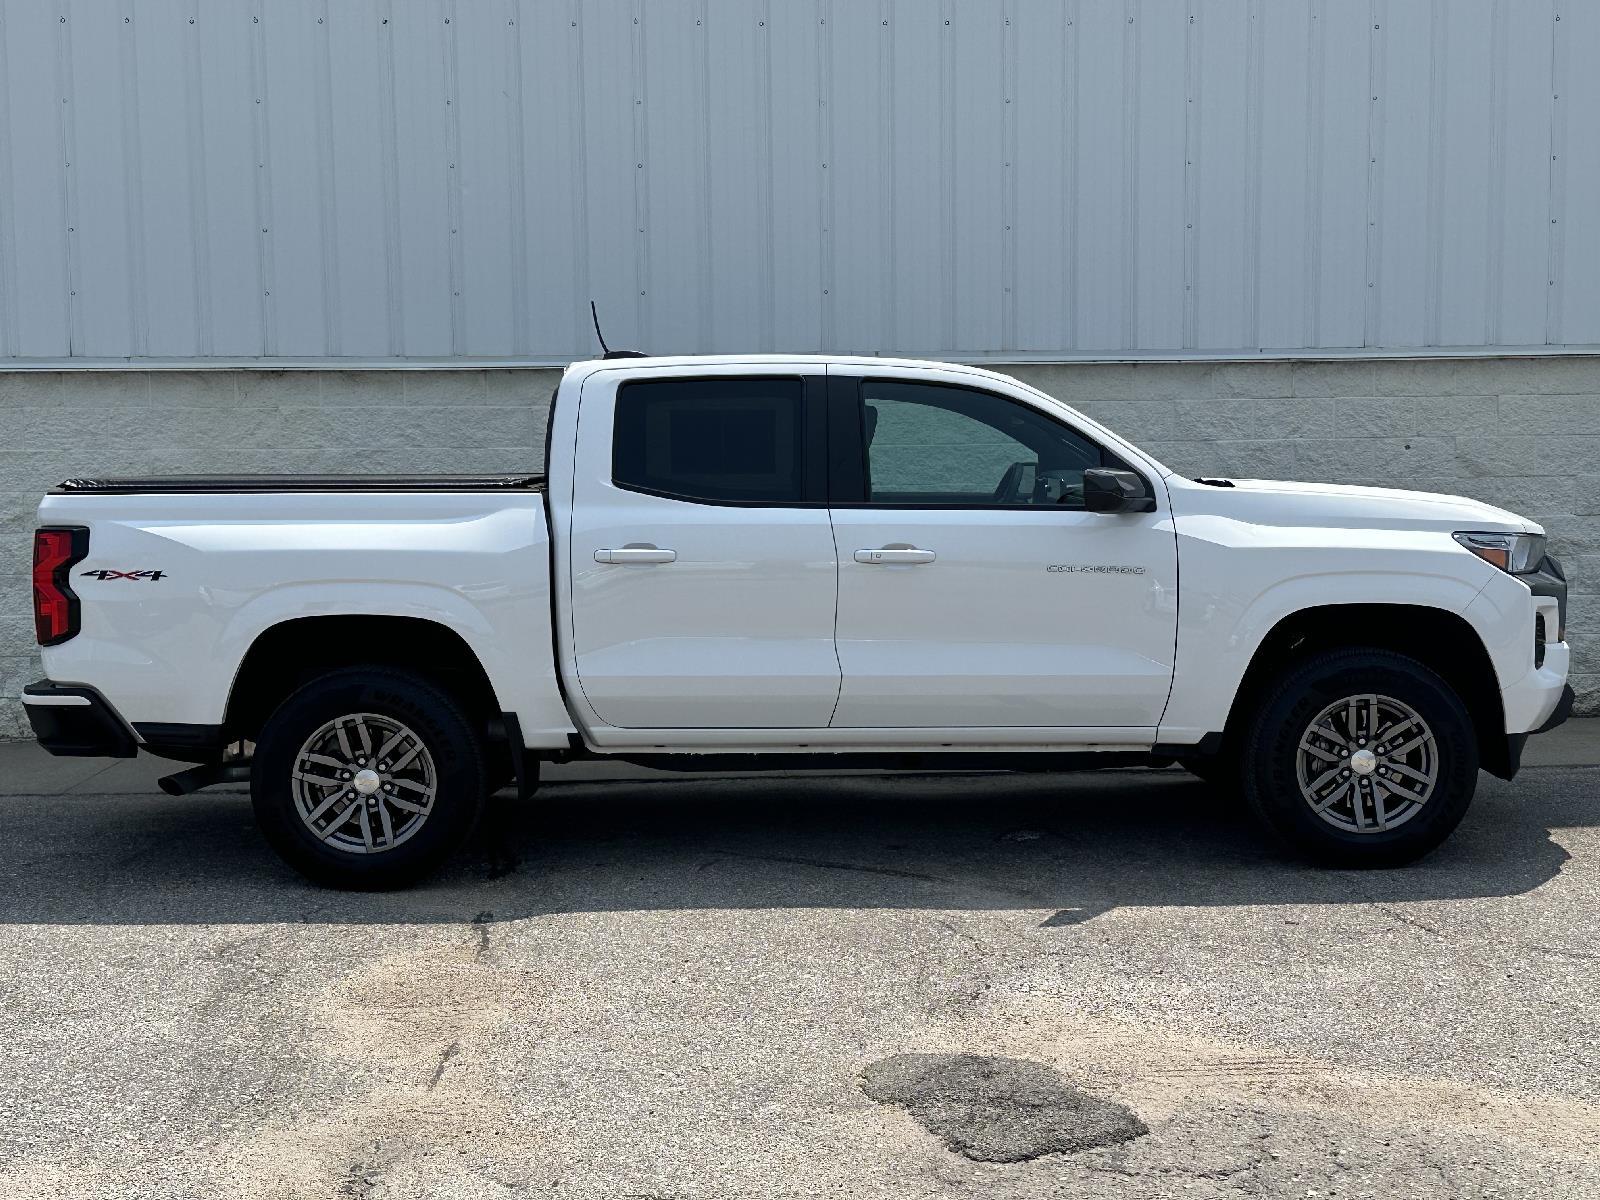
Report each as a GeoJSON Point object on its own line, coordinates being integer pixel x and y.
{"type": "Point", "coordinates": [1236, 588]}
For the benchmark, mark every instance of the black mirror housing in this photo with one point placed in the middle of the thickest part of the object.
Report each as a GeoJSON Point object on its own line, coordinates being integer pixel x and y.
{"type": "Point", "coordinates": [1114, 490]}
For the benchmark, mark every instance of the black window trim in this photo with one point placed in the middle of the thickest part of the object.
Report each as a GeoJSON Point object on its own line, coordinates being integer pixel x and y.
{"type": "Point", "coordinates": [847, 457]}
{"type": "Point", "coordinates": [814, 440]}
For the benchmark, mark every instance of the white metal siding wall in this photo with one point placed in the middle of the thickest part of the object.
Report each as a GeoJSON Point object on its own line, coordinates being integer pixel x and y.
{"type": "Point", "coordinates": [456, 178]}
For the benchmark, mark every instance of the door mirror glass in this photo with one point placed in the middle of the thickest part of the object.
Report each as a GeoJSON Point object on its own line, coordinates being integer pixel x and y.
{"type": "Point", "coordinates": [1112, 490]}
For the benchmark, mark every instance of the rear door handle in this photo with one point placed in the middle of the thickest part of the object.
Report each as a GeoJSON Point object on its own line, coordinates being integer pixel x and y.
{"type": "Point", "coordinates": [636, 554]}
{"type": "Point", "coordinates": [891, 555]}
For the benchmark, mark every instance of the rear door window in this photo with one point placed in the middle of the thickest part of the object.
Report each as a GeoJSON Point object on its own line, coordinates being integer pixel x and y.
{"type": "Point", "coordinates": [720, 441]}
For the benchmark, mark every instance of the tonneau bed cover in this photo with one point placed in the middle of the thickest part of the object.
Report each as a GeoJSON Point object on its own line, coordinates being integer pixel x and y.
{"type": "Point", "coordinates": [223, 484]}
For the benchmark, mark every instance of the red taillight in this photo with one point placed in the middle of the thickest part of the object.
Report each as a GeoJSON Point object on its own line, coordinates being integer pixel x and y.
{"type": "Point", "coordinates": [55, 607]}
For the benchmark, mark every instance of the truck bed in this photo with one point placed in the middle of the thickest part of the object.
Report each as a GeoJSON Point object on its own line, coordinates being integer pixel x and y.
{"type": "Point", "coordinates": [181, 485]}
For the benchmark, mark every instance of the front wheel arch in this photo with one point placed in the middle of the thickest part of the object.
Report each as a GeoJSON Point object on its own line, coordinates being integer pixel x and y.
{"type": "Point", "coordinates": [1440, 640]}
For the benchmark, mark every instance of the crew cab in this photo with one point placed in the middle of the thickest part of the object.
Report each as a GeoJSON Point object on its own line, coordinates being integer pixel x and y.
{"type": "Point", "coordinates": [795, 562]}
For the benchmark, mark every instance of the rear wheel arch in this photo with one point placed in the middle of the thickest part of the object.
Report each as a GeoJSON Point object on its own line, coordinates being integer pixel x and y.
{"type": "Point", "coordinates": [286, 656]}
{"type": "Point", "coordinates": [1440, 640]}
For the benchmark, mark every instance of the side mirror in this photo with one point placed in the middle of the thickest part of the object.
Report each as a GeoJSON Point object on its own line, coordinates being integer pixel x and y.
{"type": "Point", "coordinates": [1112, 490]}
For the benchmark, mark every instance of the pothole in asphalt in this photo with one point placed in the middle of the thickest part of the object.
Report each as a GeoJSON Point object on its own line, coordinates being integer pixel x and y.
{"type": "Point", "coordinates": [998, 1109]}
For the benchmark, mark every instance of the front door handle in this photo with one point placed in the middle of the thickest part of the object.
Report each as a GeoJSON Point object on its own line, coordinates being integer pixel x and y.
{"type": "Point", "coordinates": [892, 555]}
{"type": "Point", "coordinates": [636, 554]}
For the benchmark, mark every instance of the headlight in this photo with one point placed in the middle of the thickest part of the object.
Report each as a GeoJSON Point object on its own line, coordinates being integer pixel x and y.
{"type": "Point", "coordinates": [1513, 552]}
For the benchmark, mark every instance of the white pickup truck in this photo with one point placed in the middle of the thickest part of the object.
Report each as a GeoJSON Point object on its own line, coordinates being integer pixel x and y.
{"type": "Point", "coordinates": [795, 562]}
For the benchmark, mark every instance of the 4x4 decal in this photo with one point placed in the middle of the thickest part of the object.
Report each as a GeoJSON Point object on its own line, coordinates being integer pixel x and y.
{"type": "Point", "coordinates": [103, 575]}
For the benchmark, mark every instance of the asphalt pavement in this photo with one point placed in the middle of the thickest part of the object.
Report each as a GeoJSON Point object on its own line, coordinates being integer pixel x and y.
{"type": "Point", "coordinates": [1096, 985]}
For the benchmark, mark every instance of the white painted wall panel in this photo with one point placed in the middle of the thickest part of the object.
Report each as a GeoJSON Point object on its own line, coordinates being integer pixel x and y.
{"type": "Point", "coordinates": [299, 243]}
{"type": "Point", "coordinates": [675, 109]}
{"type": "Point", "coordinates": [553, 196]}
{"type": "Point", "coordinates": [976, 288]}
{"type": "Point", "coordinates": [1462, 172]}
{"type": "Point", "coordinates": [798, 237]}
{"type": "Point", "coordinates": [739, 136]}
{"type": "Point", "coordinates": [487, 171]}
{"type": "Point", "coordinates": [1576, 305]}
{"type": "Point", "coordinates": [1291, 74]}
{"type": "Point", "coordinates": [1157, 155]}
{"type": "Point", "coordinates": [1225, 173]}
{"type": "Point", "coordinates": [1341, 191]}
{"type": "Point", "coordinates": [421, 141]}
{"type": "Point", "coordinates": [368, 179]}
{"type": "Point", "coordinates": [1044, 221]}
{"type": "Point", "coordinates": [1519, 240]}
{"type": "Point", "coordinates": [616, 156]}
{"type": "Point", "coordinates": [858, 175]}
{"type": "Point", "coordinates": [33, 209]}
{"type": "Point", "coordinates": [1099, 173]}
{"type": "Point", "coordinates": [159, 59]}
{"type": "Point", "coordinates": [1405, 88]}
{"type": "Point", "coordinates": [100, 238]}
{"type": "Point", "coordinates": [914, 135]}
{"type": "Point", "coordinates": [223, 115]}
{"type": "Point", "coordinates": [360, 114]}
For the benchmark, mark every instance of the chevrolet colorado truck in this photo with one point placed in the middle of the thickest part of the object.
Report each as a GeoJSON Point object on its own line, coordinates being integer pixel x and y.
{"type": "Point", "coordinates": [795, 562]}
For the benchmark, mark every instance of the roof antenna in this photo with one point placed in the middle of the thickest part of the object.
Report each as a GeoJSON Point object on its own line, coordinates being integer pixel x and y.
{"type": "Point", "coordinates": [607, 351]}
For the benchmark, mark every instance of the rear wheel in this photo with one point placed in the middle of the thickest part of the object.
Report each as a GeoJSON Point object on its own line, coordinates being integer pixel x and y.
{"type": "Point", "coordinates": [1361, 758]}
{"type": "Point", "coordinates": [368, 778]}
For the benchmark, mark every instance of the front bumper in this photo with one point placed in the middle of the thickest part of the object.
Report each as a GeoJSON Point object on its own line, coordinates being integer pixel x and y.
{"type": "Point", "coordinates": [1563, 710]}
{"type": "Point", "coordinates": [1542, 698]}
{"type": "Point", "coordinates": [76, 722]}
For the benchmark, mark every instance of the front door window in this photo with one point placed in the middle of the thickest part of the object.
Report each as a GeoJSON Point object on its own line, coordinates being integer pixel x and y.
{"type": "Point", "coordinates": [933, 445]}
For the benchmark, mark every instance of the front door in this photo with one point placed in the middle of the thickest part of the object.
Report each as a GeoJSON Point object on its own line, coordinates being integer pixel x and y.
{"type": "Point", "coordinates": [974, 589]}
{"type": "Point", "coordinates": [702, 562]}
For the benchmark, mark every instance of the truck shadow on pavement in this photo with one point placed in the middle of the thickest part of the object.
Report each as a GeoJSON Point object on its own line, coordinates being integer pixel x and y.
{"type": "Point", "coordinates": [1066, 847]}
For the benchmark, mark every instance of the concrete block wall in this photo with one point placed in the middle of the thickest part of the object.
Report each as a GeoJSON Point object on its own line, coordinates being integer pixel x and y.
{"type": "Point", "coordinates": [1522, 433]}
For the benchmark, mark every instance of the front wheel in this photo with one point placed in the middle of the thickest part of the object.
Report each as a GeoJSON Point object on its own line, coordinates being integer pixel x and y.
{"type": "Point", "coordinates": [368, 778]}
{"type": "Point", "coordinates": [1361, 758]}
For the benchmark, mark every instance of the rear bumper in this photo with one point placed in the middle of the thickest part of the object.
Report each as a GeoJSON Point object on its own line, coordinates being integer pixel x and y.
{"type": "Point", "coordinates": [76, 722]}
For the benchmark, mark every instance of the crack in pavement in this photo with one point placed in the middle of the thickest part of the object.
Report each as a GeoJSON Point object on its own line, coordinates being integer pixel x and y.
{"type": "Point", "coordinates": [480, 924]}
{"type": "Point", "coordinates": [821, 864]}
{"type": "Point", "coordinates": [1414, 922]}
{"type": "Point", "coordinates": [450, 1052]}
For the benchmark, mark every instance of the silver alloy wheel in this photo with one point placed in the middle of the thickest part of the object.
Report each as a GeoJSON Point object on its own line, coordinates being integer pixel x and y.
{"type": "Point", "coordinates": [1367, 764]}
{"type": "Point", "coordinates": [364, 783]}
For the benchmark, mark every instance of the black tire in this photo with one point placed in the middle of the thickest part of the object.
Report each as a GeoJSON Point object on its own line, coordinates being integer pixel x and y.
{"type": "Point", "coordinates": [1272, 745]}
{"type": "Point", "coordinates": [453, 748]}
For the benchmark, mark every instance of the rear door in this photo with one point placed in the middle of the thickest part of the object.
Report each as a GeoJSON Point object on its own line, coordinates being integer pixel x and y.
{"type": "Point", "coordinates": [702, 563]}
{"type": "Point", "coordinates": [974, 589]}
